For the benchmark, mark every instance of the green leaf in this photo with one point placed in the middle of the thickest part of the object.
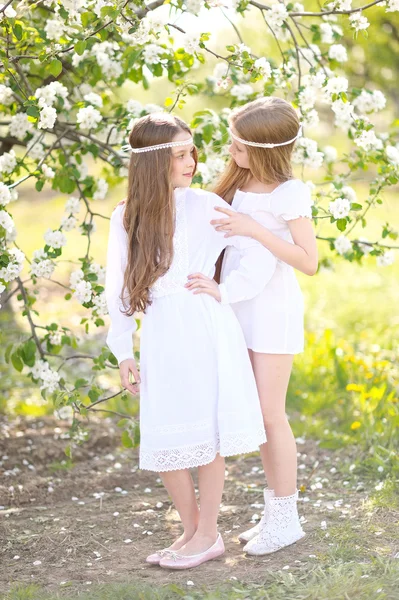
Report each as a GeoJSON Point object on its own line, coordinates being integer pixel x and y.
{"type": "Point", "coordinates": [94, 395]}
{"type": "Point", "coordinates": [17, 362]}
{"type": "Point", "coordinates": [28, 352]}
{"type": "Point", "coordinates": [8, 352]}
{"type": "Point", "coordinates": [80, 47]}
{"type": "Point", "coordinates": [341, 224]}
{"type": "Point", "coordinates": [39, 184]}
{"type": "Point", "coordinates": [33, 111]}
{"type": "Point", "coordinates": [18, 31]}
{"type": "Point", "coordinates": [355, 206]}
{"type": "Point", "coordinates": [68, 296]}
{"type": "Point", "coordinates": [127, 440]}
{"type": "Point", "coordinates": [68, 451]}
{"type": "Point", "coordinates": [55, 67]}
{"type": "Point", "coordinates": [80, 383]}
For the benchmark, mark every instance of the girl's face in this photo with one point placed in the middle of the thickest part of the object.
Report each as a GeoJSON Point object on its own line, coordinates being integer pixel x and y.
{"type": "Point", "coordinates": [239, 152]}
{"type": "Point", "coordinates": [183, 162]}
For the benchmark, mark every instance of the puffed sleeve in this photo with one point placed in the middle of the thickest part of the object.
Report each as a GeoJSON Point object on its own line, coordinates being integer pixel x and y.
{"type": "Point", "coordinates": [294, 202]}
{"type": "Point", "coordinates": [253, 269]}
{"type": "Point", "coordinates": [119, 338]}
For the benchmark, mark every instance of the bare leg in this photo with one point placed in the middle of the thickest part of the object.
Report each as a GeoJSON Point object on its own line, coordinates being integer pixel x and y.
{"type": "Point", "coordinates": [210, 483]}
{"type": "Point", "coordinates": [180, 487]}
{"type": "Point", "coordinates": [279, 454]}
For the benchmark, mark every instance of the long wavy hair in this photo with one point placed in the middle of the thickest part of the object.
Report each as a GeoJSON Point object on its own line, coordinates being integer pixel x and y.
{"type": "Point", "coordinates": [267, 120]}
{"type": "Point", "coordinates": [149, 217]}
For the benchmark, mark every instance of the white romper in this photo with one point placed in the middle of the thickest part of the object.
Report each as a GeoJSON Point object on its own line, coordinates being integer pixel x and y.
{"type": "Point", "coordinates": [198, 395]}
{"type": "Point", "coordinates": [272, 321]}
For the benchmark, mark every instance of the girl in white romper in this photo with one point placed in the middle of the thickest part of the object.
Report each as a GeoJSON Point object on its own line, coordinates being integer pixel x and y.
{"type": "Point", "coordinates": [274, 209]}
{"type": "Point", "coordinates": [198, 400]}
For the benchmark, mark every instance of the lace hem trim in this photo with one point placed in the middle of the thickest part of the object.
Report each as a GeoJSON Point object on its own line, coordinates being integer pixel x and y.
{"type": "Point", "coordinates": [187, 457]}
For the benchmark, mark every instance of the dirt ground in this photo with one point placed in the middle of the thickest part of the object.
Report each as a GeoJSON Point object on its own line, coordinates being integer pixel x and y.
{"type": "Point", "coordinates": [97, 520]}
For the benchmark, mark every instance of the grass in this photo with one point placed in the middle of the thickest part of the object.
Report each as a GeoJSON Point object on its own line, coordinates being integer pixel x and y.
{"type": "Point", "coordinates": [342, 579]}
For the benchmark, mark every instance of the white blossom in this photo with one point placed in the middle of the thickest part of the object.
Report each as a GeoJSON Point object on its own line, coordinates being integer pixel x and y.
{"type": "Point", "coordinates": [343, 113]}
{"type": "Point", "coordinates": [349, 192]}
{"type": "Point", "coordinates": [191, 42]}
{"type": "Point", "coordinates": [366, 248]}
{"type": "Point", "coordinates": [75, 278]}
{"type": "Point", "coordinates": [193, 6]}
{"type": "Point", "coordinates": [48, 172]}
{"type": "Point", "coordinates": [6, 95]}
{"type": "Point", "coordinates": [368, 102]}
{"type": "Point", "coordinates": [152, 53]}
{"type": "Point", "coordinates": [342, 245]}
{"type": "Point", "coordinates": [55, 338]}
{"type": "Point", "coordinates": [73, 206]}
{"type": "Point", "coordinates": [310, 118]}
{"type": "Point", "coordinates": [392, 5]}
{"type": "Point", "coordinates": [358, 21]}
{"type": "Point", "coordinates": [152, 108]}
{"type": "Point", "coordinates": [48, 116]}
{"type": "Point", "coordinates": [5, 194]}
{"type": "Point", "coordinates": [43, 268]}
{"type": "Point", "coordinates": [277, 15]}
{"type": "Point", "coordinates": [54, 29]}
{"type": "Point", "coordinates": [93, 99]}
{"type": "Point", "coordinates": [55, 239]}
{"type": "Point", "coordinates": [8, 162]}
{"type": "Point", "coordinates": [99, 271]}
{"type": "Point", "coordinates": [6, 221]}
{"type": "Point", "coordinates": [15, 266]}
{"type": "Point", "coordinates": [9, 12]}
{"type": "Point", "coordinates": [100, 304]}
{"type": "Point", "coordinates": [330, 154]}
{"type": "Point", "coordinates": [338, 52]}
{"type": "Point", "coordinates": [50, 380]}
{"type": "Point", "coordinates": [134, 107]}
{"type": "Point", "coordinates": [368, 141]}
{"type": "Point", "coordinates": [241, 91]}
{"type": "Point", "coordinates": [48, 94]}
{"type": "Point", "coordinates": [307, 98]}
{"type": "Point", "coordinates": [263, 65]}
{"type": "Point", "coordinates": [101, 190]}
{"type": "Point", "coordinates": [386, 259]}
{"type": "Point", "coordinates": [88, 117]}
{"type": "Point", "coordinates": [68, 222]}
{"type": "Point", "coordinates": [340, 208]}
{"type": "Point", "coordinates": [335, 85]}
{"type": "Point", "coordinates": [83, 291]}
{"type": "Point", "coordinates": [343, 4]}
{"type": "Point", "coordinates": [306, 153]}
{"type": "Point", "coordinates": [20, 126]}
{"type": "Point", "coordinates": [392, 155]}
{"type": "Point", "coordinates": [327, 33]}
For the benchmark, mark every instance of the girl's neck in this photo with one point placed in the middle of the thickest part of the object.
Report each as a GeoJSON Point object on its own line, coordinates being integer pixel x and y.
{"type": "Point", "coordinates": [254, 185]}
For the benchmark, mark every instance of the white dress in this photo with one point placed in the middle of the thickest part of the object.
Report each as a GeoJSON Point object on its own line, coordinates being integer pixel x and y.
{"type": "Point", "coordinates": [198, 395]}
{"type": "Point", "coordinates": [272, 321]}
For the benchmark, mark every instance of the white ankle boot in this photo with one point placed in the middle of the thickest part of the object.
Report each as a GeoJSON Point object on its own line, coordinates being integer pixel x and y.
{"type": "Point", "coordinates": [281, 529]}
{"type": "Point", "coordinates": [248, 535]}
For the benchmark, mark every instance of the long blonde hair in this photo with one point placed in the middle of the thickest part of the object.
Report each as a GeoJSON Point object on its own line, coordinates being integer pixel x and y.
{"type": "Point", "coordinates": [149, 217]}
{"type": "Point", "coordinates": [267, 120]}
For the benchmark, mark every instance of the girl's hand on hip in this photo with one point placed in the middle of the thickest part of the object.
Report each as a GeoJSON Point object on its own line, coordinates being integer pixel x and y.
{"type": "Point", "coordinates": [200, 284]}
{"type": "Point", "coordinates": [236, 223]}
{"type": "Point", "coordinates": [127, 371]}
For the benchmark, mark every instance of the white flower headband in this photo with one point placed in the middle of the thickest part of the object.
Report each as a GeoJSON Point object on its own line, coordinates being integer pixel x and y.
{"type": "Point", "coordinates": [128, 147]}
{"type": "Point", "coordinates": [260, 145]}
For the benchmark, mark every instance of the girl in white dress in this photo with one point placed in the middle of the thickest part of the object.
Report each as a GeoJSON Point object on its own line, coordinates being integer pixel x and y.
{"type": "Point", "coordinates": [274, 209]}
{"type": "Point", "coordinates": [198, 400]}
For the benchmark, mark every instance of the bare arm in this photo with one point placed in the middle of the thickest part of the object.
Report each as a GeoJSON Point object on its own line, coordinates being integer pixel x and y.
{"type": "Point", "coordinates": [301, 255]}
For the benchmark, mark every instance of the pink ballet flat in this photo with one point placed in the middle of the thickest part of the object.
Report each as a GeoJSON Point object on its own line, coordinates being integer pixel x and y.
{"type": "Point", "coordinates": [155, 559]}
{"type": "Point", "coordinates": [174, 560]}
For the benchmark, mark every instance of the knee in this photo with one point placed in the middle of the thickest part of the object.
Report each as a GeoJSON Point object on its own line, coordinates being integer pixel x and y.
{"type": "Point", "coordinates": [274, 420]}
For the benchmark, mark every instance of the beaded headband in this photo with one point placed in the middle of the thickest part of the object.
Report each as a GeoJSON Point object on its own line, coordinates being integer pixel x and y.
{"type": "Point", "coordinates": [128, 147]}
{"type": "Point", "coordinates": [260, 145]}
